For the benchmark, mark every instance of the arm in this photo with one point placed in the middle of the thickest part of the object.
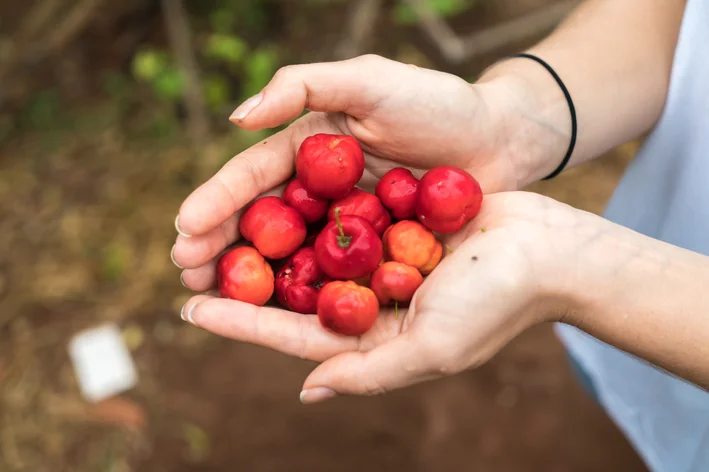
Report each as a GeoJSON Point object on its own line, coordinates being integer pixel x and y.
{"type": "Point", "coordinates": [614, 57]}
{"type": "Point", "coordinates": [641, 295]}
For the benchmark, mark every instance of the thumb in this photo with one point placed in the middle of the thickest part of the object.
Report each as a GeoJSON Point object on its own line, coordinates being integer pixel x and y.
{"type": "Point", "coordinates": [353, 86]}
{"type": "Point", "coordinates": [394, 364]}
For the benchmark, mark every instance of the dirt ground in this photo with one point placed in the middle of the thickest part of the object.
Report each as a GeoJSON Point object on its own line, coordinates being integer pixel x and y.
{"type": "Point", "coordinates": [86, 225]}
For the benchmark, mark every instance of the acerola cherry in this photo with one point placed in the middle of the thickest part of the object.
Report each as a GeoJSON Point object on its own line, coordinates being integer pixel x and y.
{"type": "Point", "coordinates": [447, 199]}
{"type": "Point", "coordinates": [347, 308]}
{"type": "Point", "coordinates": [364, 204]}
{"type": "Point", "coordinates": [329, 165]}
{"type": "Point", "coordinates": [311, 207]}
{"type": "Point", "coordinates": [436, 257]}
{"type": "Point", "coordinates": [348, 248]}
{"type": "Point", "coordinates": [397, 190]}
{"type": "Point", "coordinates": [397, 282]}
{"type": "Point", "coordinates": [409, 242]}
{"type": "Point", "coordinates": [274, 228]}
{"type": "Point", "coordinates": [299, 281]}
{"type": "Point", "coordinates": [243, 274]}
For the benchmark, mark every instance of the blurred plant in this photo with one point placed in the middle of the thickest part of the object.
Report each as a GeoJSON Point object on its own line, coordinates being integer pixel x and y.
{"type": "Point", "coordinates": [229, 56]}
{"type": "Point", "coordinates": [259, 68]}
{"type": "Point", "coordinates": [404, 14]}
{"type": "Point", "coordinates": [42, 111]}
{"type": "Point", "coordinates": [198, 442]}
{"type": "Point", "coordinates": [155, 68]}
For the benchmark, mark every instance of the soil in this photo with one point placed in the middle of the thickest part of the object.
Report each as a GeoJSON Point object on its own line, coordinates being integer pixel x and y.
{"type": "Point", "coordinates": [86, 224]}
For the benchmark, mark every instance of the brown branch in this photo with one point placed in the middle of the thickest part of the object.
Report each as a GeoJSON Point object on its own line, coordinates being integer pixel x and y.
{"type": "Point", "coordinates": [38, 49]}
{"type": "Point", "coordinates": [74, 23]}
{"type": "Point", "coordinates": [456, 49]}
{"type": "Point", "coordinates": [518, 29]}
{"type": "Point", "coordinates": [449, 44]}
{"type": "Point", "coordinates": [363, 19]}
{"type": "Point", "coordinates": [37, 18]}
{"type": "Point", "coordinates": [180, 37]}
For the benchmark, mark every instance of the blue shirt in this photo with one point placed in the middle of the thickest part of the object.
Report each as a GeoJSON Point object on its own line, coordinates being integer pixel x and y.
{"type": "Point", "coordinates": [663, 194]}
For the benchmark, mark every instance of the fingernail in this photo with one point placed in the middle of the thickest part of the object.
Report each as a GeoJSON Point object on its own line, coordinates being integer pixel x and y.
{"type": "Point", "coordinates": [188, 316]}
{"type": "Point", "coordinates": [182, 280]}
{"type": "Point", "coordinates": [172, 257]}
{"type": "Point", "coordinates": [179, 231]}
{"type": "Point", "coordinates": [246, 108]}
{"type": "Point", "coordinates": [315, 395]}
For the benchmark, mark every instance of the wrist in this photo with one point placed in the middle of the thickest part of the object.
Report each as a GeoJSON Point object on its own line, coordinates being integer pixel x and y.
{"type": "Point", "coordinates": [534, 119]}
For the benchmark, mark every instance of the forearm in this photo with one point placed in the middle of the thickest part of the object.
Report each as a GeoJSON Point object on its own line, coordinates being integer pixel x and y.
{"type": "Point", "coordinates": [644, 296]}
{"type": "Point", "coordinates": [615, 57]}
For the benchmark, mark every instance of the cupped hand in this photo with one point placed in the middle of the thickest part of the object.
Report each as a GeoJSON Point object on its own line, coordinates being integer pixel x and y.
{"type": "Point", "coordinates": [401, 114]}
{"type": "Point", "coordinates": [505, 273]}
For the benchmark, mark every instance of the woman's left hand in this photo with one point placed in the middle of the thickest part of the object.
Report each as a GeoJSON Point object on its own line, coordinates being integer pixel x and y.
{"type": "Point", "coordinates": [504, 275]}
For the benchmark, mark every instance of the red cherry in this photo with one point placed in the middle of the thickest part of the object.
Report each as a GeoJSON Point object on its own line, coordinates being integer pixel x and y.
{"type": "Point", "coordinates": [311, 207]}
{"type": "Point", "coordinates": [397, 190]}
{"type": "Point", "coordinates": [329, 165]}
{"type": "Point", "coordinates": [348, 248]}
{"type": "Point", "coordinates": [347, 308]}
{"type": "Point", "coordinates": [274, 228]}
{"type": "Point", "coordinates": [364, 204]}
{"type": "Point", "coordinates": [299, 281]}
{"type": "Point", "coordinates": [447, 199]}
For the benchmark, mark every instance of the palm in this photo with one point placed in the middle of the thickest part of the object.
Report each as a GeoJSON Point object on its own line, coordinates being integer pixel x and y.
{"type": "Point", "coordinates": [465, 311]}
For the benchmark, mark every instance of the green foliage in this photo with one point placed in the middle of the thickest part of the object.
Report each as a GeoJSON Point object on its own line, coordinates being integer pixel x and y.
{"type": "Point", "coordinates": [239, 15]}
{"type": "Point", "coordinates": [113, 264]}
{"type": "Point", "coordinates": [260, 67]}
{"type": "Point", "coordinates": [42, 111]}
{"type": "Point", "coordinates": [148, 64]}
{"type": "Point", "coordinates": [216, 91]}
{"type": "Point", "coordinates": [225, 48]}
{"type": "Point", "coordinates": [404, 14]}
{"type": "Point", "coordinates": [156, 69]}
{"type": "Point", "coordinates": [168, 84]}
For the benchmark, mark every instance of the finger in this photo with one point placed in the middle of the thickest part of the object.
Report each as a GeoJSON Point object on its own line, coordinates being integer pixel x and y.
{"type": "Point", "coordinates": [353, 86]}
{"type": "Point", "coordinates": [291, 333]}
{"type": "Point", "coordinates": [202, 278]}
{"type": "Point", "coordinates": [395, 364]}
{"type": "Point", "coordinates": [195, 251]}
{"type": "Point", "coordinates": [249, 174]}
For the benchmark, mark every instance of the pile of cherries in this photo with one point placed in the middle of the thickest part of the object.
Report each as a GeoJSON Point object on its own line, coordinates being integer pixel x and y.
{"type": "Point", "coordinates": [338, 251]}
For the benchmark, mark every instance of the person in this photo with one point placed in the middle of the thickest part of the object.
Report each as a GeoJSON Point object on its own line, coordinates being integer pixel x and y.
{"type": "Point", "coordinates": [627, 292]}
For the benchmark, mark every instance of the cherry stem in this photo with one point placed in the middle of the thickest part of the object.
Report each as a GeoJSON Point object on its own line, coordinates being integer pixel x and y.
{"type": "Point", "coordinates": [448, 248]}
{"type": "Point", "coordinates": [342, 240]}
{"type": "Point", "coordinates": [396, 309]}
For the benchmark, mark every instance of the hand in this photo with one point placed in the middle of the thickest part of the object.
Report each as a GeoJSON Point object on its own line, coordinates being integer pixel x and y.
{"type": "Point", "coordinates": [504, 274]}
{"type": "Point", "coordinates": [402, 115]}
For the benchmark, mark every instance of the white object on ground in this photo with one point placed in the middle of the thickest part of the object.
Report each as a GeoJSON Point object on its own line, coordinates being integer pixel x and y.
{"type": "Point", "coordinates": [102, 363]}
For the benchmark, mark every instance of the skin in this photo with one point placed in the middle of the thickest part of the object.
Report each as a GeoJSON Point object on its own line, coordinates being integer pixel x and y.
{"type": "Point", "coordinates": [538, 260]}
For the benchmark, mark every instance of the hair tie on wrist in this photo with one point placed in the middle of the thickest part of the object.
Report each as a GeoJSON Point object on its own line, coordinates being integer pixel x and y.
{"type": "Point", "coordinates": [574, 125]}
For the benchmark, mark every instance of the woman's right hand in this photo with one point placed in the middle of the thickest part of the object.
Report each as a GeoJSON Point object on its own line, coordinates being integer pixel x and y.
{"type": "Point", "coordinates": [401, 114]}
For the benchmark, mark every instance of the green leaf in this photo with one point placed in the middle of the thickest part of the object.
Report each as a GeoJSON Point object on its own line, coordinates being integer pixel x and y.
{"type": "Point", "coordinates": [149, 64]}
{"type": "Point", "coordinates": [42, 110]}
{"type": "Point", "coordinates": [216, 91]}
{"type": "Point", "coordinates": [223, 20]}
{"type": "Point", "coordinates": [198, 442]}
{"type": "Point", "coordinates": [225, 47]}
{"type": "Point", "coordinates": [168, 84]}
{"type": "Point", "coordinates": [404, 13]}
{"type": "Point", "coordinates": [260, 68]}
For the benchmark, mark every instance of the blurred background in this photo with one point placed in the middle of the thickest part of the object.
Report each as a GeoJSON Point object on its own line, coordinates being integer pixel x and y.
{"type": "Point", "coordinates": [111, 113]}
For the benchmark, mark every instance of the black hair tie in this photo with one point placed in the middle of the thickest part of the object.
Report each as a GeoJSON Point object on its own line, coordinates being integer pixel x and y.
{"type": "Point", "coordinates": [574, 125]}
